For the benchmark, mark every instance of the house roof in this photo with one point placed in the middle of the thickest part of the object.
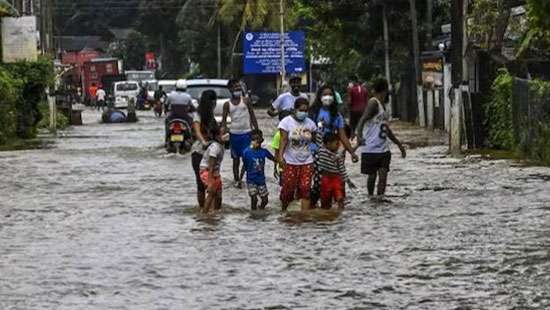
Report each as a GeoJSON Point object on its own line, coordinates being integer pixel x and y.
{"type": "Point", "coordinates": [78, 43]}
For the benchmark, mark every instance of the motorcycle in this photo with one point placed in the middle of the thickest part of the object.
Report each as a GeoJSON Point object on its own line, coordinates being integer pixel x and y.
{"type": "Point", "coordinates": [180, 137]}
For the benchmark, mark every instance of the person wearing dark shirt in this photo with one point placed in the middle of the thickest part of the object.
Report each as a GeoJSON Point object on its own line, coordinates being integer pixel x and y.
{"type": "Point", "coordinates": [357, 100]}
{"type": "Point", "coordinates": [254, 165]}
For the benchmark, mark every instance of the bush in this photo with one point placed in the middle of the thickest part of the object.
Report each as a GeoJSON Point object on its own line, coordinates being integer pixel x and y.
{"type": "Point", "coordinates": [499, 113]}
{"type": "Point", "coordinates": [9, 93]}
{"type": "Point", "coordinates": [62, 121]}
{"type": "Point", "coordinates": [34, 78]}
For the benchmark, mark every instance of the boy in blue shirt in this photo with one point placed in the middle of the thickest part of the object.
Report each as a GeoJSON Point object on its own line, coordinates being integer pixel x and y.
{"type": "Point", "coordinates": [254, 164]}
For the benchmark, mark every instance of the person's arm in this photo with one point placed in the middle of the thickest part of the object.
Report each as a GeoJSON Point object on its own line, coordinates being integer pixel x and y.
{"type": "Point", "coordinates": [198, 133]}
{"type": "Point", "coordinates": [253, 120]}
{"type": "Point", "coordinates": [269, 156]}
{"type": "Point", "coordinates": [347, 145]}
{"type": "Point", "coordinates": [225, 114]}
{"type": "Point", "coordinates": [370, 112]}
{"type": "Point", "coordinates": [394, 139]}
{"type": "Point", "coordinates": [273, 109]}
{"type": "Point", "coordinates": [282, 148]}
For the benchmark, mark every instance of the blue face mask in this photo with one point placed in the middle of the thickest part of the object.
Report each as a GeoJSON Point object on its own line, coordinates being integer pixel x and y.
{"type": "Point", "coordinates": [301, 115]}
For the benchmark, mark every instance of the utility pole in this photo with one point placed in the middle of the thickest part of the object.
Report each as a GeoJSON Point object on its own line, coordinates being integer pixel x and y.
{"type": "Point", "coordinates": [283, 62]}
{"type": "Point", "coordinates": [387, 56]}
{"type": "Point", "coordinates": [429, 24]}
{"type": "Point", "coordinates": [417, 73]}
{"type": "Point", "coordinates": [457, 59]}
{"type": "Point", "coordinates": [219, 50]}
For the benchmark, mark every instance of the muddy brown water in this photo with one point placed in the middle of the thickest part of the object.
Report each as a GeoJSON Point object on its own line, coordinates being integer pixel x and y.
{"type": "Point", "coordinates": [104, 219]}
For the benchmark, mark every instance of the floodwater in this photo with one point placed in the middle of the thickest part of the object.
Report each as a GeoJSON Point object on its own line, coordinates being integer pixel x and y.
{"type": "Point", "coordinates": [104, 219]}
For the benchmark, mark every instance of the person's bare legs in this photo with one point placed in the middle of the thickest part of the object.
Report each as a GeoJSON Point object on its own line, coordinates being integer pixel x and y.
{"type": "Point", "coordinates": [201, 197]}
{"type": "Point", "coordinates": [371, 183]}
{"type": "Point", "coordinates": [254, 202]}
{"type": "Point", "coordinates": [236, 172]}
{"type": "Point", "coordinates": [265, 201]}
{"type": "Point", "coordinates": [340, 204]}
{"type": "Point", "coordinates": [219, 200]}
{"type": "Point", "coordinates": [210, 202]}
{"type": "Point", "coordinates": [382, 181]}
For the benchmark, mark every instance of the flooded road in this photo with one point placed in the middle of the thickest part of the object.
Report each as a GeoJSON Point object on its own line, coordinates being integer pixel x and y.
{"type": "Point", "coordinates": [104, 219]}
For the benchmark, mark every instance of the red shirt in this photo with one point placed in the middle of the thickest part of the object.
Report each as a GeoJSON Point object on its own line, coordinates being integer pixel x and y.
{"type": "Point", "coordinates": [358, 97]}
{"type": "Point", "coordinates": [92, 91]}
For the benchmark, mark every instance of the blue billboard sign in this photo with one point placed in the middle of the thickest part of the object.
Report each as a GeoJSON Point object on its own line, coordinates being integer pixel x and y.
{"type": "Point", "coordinates": [262, 52]}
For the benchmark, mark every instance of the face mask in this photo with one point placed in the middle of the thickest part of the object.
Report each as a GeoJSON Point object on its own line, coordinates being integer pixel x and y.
{"type": "Point", "coordinates": [301, 115]}
{"type": "Point", "coordinates": [327, 100]}
{"type": "Point", "coordinates": [237, 94]}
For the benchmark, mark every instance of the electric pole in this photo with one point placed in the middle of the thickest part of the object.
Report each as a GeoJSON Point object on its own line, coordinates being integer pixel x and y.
{"type": "Point", "coordinates": [387, 54]}
{"type": "Point", "coordinates": [282, 18]}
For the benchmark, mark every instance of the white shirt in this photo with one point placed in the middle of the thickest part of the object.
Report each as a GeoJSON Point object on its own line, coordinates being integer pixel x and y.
{"type": "Point", "coordinates": [374, 132]}
{"type": "Point", "coordinates": [100, 94]}
{"type": "Point", "coordinates": [285, 102]}
{"type": "Point", "coordinates": [300, 134]}
{"type": "Point", "coordinates": [215, 150]}
{"type": "Point", "coordinates": [240, 118]}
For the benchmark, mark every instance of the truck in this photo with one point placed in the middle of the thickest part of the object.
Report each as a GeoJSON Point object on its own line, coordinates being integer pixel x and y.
{"type": "Point", "coordinates": [94, 70]}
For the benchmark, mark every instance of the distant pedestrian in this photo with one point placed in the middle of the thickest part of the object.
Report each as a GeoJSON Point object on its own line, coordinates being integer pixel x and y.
{"type": "Point", "coordinates": [243, 121]}
{"type": "Point", "coordinates": [284, 104]}
{"type": "Point", "coordinates": [295, 155]}
{"type": "Point", "coordinates": [160, 97]}
{"type": "Point", "coordinates": [357, 101]}
{"type": "Point", "coordinates": [374, 131]}
{"type": "Point", "coordinates": [100, 98]}
{"type": "Point", "coordinates": [92, 94]}
{"type": "Point", "coordinates": [254, 166]}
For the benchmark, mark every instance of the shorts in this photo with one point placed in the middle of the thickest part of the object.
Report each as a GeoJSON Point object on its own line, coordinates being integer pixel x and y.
{"type": "Point", "coordinates": [239, 143]}
{"type": "Point", "coordinates": [196, 159]}
{"type": "Point", "coordinates": [372, 162]}
{"type": "Point", "coordinates": [257, 190]}
{"type": "Point", "coordinates": [205, 174]}
{"type": "Point", "coordinates": [332, 189]}
{"type": "Point", "coordinates": [296, 182]}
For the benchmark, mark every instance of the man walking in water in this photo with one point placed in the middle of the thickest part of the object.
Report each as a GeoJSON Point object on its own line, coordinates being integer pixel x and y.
{"type": "Point", "coordinates": [243, 121]}
{"type": "Point", "coordinates": [373, 131]}
{"type": "Point", "coordinates": [284, 104]}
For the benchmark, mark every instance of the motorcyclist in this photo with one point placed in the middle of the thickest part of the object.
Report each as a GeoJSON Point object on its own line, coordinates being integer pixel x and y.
{"type": "Point", "coordinates": [180, 105]}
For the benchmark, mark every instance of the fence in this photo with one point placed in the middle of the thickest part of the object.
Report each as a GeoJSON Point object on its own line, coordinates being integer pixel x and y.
{"type": "Point", "coordinates": [531, 118]}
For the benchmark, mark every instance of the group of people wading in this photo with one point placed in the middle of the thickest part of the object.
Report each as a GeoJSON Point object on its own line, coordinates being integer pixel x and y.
{"type": "Point", "coordinates": [309, 147]}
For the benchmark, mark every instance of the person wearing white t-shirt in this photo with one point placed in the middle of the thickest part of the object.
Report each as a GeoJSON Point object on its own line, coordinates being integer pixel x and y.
{"type": "Point", "coordinates": [284, 104]}
{"type": "Point", "coordinates": [295, 155]}
{"type": "Point", "coordinates": [100, 97]}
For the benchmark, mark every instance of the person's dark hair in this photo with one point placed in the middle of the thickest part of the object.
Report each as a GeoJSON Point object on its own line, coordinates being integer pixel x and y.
{"type": "Point", "coordinates": [256, 132]}
{"type": "Point", "coordinates": [206, 109]}
{"type": "Point", "coordinates": [160, 87]}
{"type": "Point", "coordinates": [294, 78]}
{"type": "Point", "coordinates": [317, 105]}
{"type": "Point", "coordinates": [214, 132]}
{"type": "Point", "coordinates": [354, 78]}
{"type": "Point", "coordinates": [380, 85]}
{"type": "Point", "coordinates": [330, 137]}
{"type": "Point", "coordinates": [300, 102]}
{"type": "Point", "coordinates": [232, 82]}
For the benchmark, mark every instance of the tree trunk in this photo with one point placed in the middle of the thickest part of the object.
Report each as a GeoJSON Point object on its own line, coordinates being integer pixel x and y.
{"type": "Point", "coordinates": [416, 56]}
{"type": "Point", "coordinates": [387, 54]}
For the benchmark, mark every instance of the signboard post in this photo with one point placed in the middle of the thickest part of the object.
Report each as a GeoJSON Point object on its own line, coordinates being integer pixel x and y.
{"type": "Point", "coordinates": [262, 52]}
{"type": "Point", "coordinates": [19, 39]}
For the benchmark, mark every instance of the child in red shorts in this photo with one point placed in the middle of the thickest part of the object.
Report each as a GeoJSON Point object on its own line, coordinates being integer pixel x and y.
{"type": "Point", "coordinates": [210, 170]}
{"type": "Point", "coordinates": [333, 172]}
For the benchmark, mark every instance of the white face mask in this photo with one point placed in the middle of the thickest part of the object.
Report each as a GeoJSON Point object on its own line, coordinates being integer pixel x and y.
{"type": "Point", "coordinates": [327, 100]}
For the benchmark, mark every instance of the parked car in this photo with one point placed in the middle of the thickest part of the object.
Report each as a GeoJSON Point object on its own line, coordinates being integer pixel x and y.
{"type": "Point", "coordinates": [123, 92]}
{"type": "Point", "coordinates": [195, 88]}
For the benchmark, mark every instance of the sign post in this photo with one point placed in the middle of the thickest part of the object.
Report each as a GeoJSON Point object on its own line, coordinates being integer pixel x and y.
{"type": "Point", "coordinates": [262, 52]}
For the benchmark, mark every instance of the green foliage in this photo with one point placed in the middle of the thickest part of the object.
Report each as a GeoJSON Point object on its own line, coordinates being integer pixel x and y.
{"type": "Point", "coordinates": [499, 113]}
{"type": "Point", "coordinates": [539, 126]}
{"type": "Point", "coordinates": [8, 100]}
{"type": "Point", "coordinates": [62, 120]}
{"type": "Point", "coordinates": [132, 51]}
{"type": "Point", "coordinates": [32, 80]}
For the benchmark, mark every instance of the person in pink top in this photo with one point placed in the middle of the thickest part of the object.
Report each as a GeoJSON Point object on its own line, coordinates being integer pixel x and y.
{"type": "Point", "coordinates": [358, 97]}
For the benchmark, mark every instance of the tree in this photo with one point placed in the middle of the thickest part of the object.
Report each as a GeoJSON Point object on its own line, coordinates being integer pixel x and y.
{"type": "Point", "coordinates": [131, 51]}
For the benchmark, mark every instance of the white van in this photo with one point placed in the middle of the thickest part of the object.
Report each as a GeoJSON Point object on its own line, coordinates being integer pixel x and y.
{"type": "Point", "coordinates": [124, 91]}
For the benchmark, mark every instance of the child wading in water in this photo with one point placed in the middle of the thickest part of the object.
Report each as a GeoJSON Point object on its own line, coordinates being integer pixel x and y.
{"type": "Point", "coordinates": [333, 172]}
{"type": "Point", "coordinates": [254, 164]}
{"type": "Point", "coordinates": [210, 170]}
